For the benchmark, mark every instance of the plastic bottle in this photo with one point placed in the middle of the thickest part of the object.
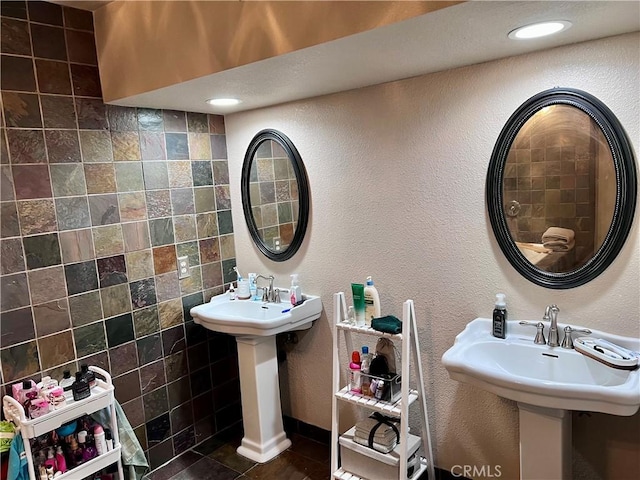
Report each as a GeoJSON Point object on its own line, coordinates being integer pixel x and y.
{"type": "Point", "coordinates": [365, 358]}
{"type": "Point", "coordinates": [61, 461]}
{"type": "Point", "coordinates": [109, 439]}
{"type": "Point", "coordinates": [371, 302]}
{"type": "Point", "coordinates": [253, 286]}
{"type": "Point", "coordinates": [51, 460]}
{"type": "Point", "coordinates": [88, 374]}
{"type": "Point", "coordinates": [81, 387]}
{"type": "Point", "coordinates": [232, 292]}
{"type": "Point", "coordinates": [66, 383]}
{"type": "Point", "coordinates": [296, 291]}
{"type": "Point", "coordinates": [499, 328]}
{"type": "Point", "coordinates": [100, 439]}
{"type": "Point", "coordinates": [355, 382]}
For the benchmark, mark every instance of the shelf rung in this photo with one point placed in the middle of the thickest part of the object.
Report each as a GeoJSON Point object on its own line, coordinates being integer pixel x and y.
{"type": "Point", "coordinates": [367, 331]}
{"type": "Point", "coordinates": [373, 404]}
{"type": "Point", "coordinates": [342, 474]}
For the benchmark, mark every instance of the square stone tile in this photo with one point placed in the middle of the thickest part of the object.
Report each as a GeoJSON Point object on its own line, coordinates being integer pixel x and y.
{"type": "Point", "coordinates": [68, 180]}
{"type": "Point", "coordinates": [47, 284]}
{"type": "Point", "coordinates": [58, 112]}
{"type": "Point", "coordinates": [204, 199]}
{"type": "Point", "coordinates": [207, 225]}
{"type": "Point", "coordinates": [227, 247]}
{"type": "Point", "coordinates": [17, 327]}
{"type": "Point", "coordinates": [81, 47]}
{"type": "Point", "coordinates": [31, 181]}
{"type": "Point", "coordinates": [52, 317]}
{"type": "Point", "coordinates": [155, 175]}
{"type": "Point", "coordinates": [19, 361]}
{"type": "Point", "coordinates": [199, 146]}
{"type": "Point", "coordinates": [42, 250]}
{"type": "Point", "coordinates": [104, 209]}
{"type": "Point", "coordinates": [210, 250]}
{"type": "Point", "coordinates": [202, 173]}
{"type": "Point", "coordinates": [161, 231]}
{"type": "Point", "coordinates": [43, 12]}
{"type": "Point", "coordinates": [145, 321]}
{"type": "Point", "coordinates": [108, 240]}
{"type": "Point", "coordinates": [218, 147]}
{"type": "Point", "coordinates": [73, 213]}
{"type": "Point", "coordinates": [152, 376]}
{"type": "Point", "coordinates": [115, 300]}
{"type": "Point", "coordinates": [15, 37]}
{"type": "Point", "coordinates": [174, 121]}
{"type": "Point", "coordinates": [123, 358]}
{"type": "Point", "coordinates": [21, 110]}
{"type": "Point", "coordinates": [164, 259]}
{"type": "Point", "coordinates": [86, 81]}
{"type": "Point", "coordinates": [78, 19]}
{"type": "Point", "coordinates": [90, 339]}
{"type": "Point", "coordinates": [150, 349]}
{"type": "Point", "coordinates": [192, 283]}
{"type": "Point", "coordinates": [152, 146]}
{"type": "Point", "coordinates": [11, 256]}
{"type": "Point", "coordinates": [37, 216]}
{"type": "Point", "coordinates": [167, 286]}
{"type": "Point", "coordinates": [136, 236]}
{"type": "Point", "coordinates": [56, 349]}
{"type": "Point", "coordinates": [77, 246]}
{"type": "Point", "coordinates": [17, 74]}
{"type": "Point", "coordinates": [9, 226]}
{"type": "Point", "coordinates": [122, 119]}
{"type": "Point", "coordinates": [177, 146]}
{"type": "Point", "coordinates": [170, 313]}
{"type": "Point", "coordinates": [221, 172]}
{"type": "Point", "coordinates": [91, 113]}
{"type": "Point", "coordinates": [182, 201]}
{"type": "Point", "coordinates": [190, 250]}
{"type": "Point", "coordinates": [143, 293]}
{"type": "Point", "coordinates": [63, 146]}
{"type": "Point", "coordinates": [6, 180]}
{"type": "Point", "coordinates": [216, 124]}
{"type": "Point", "coordinates": [185, 228]}
{"type": "Point", "coordinates": [95, 146]}
{"type": "Point", "coordinates": [48, 42]}
{"type": "Point", "coordinates": [100, 177]}
{"type": "Point", "coordinates": [81, 277]}
{"type": "Point", "coordinates": [197, 122]}
{"type": "Point", "coordinates": [119, 330]}
{"type": "Point", "coordinates": [225, 222]}
{"type": "Point", "coordinates": [139, 264]}
{"type": "Point", "coordinates": [223, 197]}
{"type": "Point", "coordinates": [126, 146]}
{"type": "Point", "coordinates": [158, 203]}
{"type": "Point", "coordinates": [150, 120]}
{"type": "Point", "coordinates": [132, 206]}
{"type": "Point", "coordinates": [85, 308]}
{"type": "Point", "coordinates": [16, 9]}
{"type": "Point", "coordinates": [112, 271]}
{"type": "Point", "coordinates": [53, 77]}
{"type": "Point", "coordinates": [179, 174]}
{"type": "Point", "coordinates": [129, 177]}
{"type": "Point", "coordinates": [212, 275]}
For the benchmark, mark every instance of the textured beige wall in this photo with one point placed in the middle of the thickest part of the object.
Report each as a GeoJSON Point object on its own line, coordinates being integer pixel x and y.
{"type": "Point", "coordinates": [397, 176]}
{"type": "Point", "coordinates": [156, 44]}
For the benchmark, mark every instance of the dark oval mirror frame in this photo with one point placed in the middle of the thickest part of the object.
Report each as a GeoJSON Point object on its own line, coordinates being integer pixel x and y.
{"type": "Point", "coordinates": [626, 187]}
{"type": "Point", "coordinates": [303, 193]}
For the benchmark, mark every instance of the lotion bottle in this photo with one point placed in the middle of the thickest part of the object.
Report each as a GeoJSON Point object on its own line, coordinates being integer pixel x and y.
{"type": "Point", "coordinates": [499, 328]}
{"type": "Point", "coordinates": [295, 290]}
{"type": "Point", "coordinates": [371, 302]}
{"type": "Point", "coordinates": [355, 383]}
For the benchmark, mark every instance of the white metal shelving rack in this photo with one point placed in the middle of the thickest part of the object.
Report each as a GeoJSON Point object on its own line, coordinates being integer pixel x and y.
{"type": "Point", "coordinates": [400, 409]}
{"type": "Point", "coordinates": [102, 396]}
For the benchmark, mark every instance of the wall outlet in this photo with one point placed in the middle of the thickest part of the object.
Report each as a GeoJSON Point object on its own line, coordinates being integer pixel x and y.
{"type": "Point", "coordinates": [183, 267]}
{"type": "Point", "coordinates": [276, 244]}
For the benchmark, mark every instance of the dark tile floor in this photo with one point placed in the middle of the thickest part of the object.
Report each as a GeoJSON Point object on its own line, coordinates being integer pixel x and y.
{"type": "Point", "coordinates": [216, 458]}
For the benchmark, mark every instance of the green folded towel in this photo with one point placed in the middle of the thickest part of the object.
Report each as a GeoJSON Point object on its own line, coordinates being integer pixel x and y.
{"type": "Point", "coordinates": [388, 324]}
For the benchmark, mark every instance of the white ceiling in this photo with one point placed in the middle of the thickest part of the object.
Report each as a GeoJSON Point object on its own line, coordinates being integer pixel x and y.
{"type": "Point", "coordinates": [465, 34]}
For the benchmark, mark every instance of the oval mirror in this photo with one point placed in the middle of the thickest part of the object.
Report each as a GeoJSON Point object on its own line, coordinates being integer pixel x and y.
{"type": "Point", "coordinates": [561, 188]}
{"type": "Point", "coordinates": [275, 195]}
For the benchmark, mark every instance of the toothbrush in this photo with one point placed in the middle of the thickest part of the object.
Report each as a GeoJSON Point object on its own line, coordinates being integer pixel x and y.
{"type": "Point", "coordinates": [626, 353]}
{"type": "Point", "coordinates": [608, 353]}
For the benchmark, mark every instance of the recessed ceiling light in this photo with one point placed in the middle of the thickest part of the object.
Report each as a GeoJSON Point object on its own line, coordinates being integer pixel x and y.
{"type": "Point", "coordinates": [223, 102]}
{"type": "Point", "coordinates": [541, 29]}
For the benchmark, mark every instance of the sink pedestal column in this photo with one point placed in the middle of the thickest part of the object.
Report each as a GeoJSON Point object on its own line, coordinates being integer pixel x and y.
{"type": "Point", "coordinates": [545, 443]}
{"type": "Point", "coordinates": [264, 436]}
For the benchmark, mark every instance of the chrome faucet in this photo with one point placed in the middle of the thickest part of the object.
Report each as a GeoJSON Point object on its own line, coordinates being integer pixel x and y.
{"type": "Point", "coordinates": [568, 330]}
{"type": "Point", "coordinates": [551, 314]}
{"type": "Point", "coordinates": [539, 340]}
{"type": "Point", "coordinates": [268, 295]}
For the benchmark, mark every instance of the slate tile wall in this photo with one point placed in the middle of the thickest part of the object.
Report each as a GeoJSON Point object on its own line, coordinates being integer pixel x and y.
{"type": "Point", "coordinates": [97, 203]}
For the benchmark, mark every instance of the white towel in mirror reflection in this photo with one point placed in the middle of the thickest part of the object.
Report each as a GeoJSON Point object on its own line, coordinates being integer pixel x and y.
{"type": "Point", "coordinates": [559, 239]}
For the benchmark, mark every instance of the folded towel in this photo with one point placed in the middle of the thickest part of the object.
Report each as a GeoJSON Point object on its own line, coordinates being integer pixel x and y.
{"type": "Point", "coordinates": [557, 234]}
{"type": "Point", "coordinates": [560, 246]}
{"type": "Point", "coordinates": [388, 324]}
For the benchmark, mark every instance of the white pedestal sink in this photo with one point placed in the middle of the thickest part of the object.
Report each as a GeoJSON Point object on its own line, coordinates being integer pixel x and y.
{"type": "Point", "coordinates": [547, 383]}
{"type": "Point", "coordinates": [255, 325]}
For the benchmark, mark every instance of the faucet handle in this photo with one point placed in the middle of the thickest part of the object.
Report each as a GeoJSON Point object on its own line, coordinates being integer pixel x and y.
{"type": "Point", "coordinates": [265, 295]}
{"type": "Point", "coordinates": [567, 342]}
{"type": "Point", "coordinates": [276, 296]}
{"type": "Point", "coordinates": [539, 340]}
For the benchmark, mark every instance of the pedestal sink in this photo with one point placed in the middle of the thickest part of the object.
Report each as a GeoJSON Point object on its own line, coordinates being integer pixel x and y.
{"type": "Point", "coordinates": [547, 383]}
{"type": "Point", "coordinates": [255, 325]}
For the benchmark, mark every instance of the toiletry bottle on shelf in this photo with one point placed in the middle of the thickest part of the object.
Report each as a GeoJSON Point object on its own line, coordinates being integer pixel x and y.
{"type": "Point", "coordinates": [108, 439]}
{"type": "Point", "coordinates": [364, 370]}
{"type": "Point", "coordinates": [357, 291]}
{"type": "Point", "coordinates": [61, 461]}
{"type": "Point", "coordinates": [66, 383]}
{"type": "Point", "coordinates": [355, 383]}
{"type": "Point", "coordinates": [499, 328]}
{"type": "Point", "coordinates": [51, 460]}
{"type": "Point", "coordinates": [371, 302]}
{"type": "Point", "coordinates": [232, 292]}
{"type": "Point", "coordinates": [81, 389]}
{"type": "Point", "coordinates": [351, 315]}
{"type": "Point", "coordinates": [295, 290]}
{"type": "Point", "coordinates": [88, 374]}
{"type": "Point", "coordinates": [100, 439]}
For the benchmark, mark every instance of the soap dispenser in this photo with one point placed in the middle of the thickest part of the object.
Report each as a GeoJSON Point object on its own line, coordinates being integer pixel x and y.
{"type": "Point", "coordinates": [295, 290]}
{"type": "Point", "coordinates": [499, 328]}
